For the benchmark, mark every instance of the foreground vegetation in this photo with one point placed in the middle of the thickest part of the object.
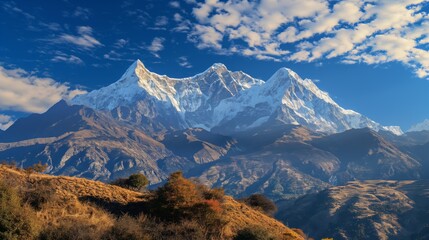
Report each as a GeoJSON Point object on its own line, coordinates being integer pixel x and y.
{"type": "Point", "coordinates": [38, 206]}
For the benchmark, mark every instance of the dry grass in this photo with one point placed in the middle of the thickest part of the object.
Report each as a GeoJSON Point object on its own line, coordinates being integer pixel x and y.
{"type": "Point", "coordinates": [67, 207]}
{"type": "Point", "coordinates": [241, 216]}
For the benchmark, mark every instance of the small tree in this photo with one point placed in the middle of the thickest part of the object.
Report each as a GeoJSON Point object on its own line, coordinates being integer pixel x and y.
{"type": "Point", "coordinates": [137, 181]}
{"type": "Point", "coordinates": [260, 202]}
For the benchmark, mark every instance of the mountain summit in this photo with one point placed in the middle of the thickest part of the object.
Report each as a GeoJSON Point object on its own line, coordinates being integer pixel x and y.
{"type": "Point", "coordinates": [223, 101]}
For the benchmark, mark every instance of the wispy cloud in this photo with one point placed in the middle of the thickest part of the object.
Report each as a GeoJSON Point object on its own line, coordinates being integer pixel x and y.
{"type": "Point", "coordinates": [184, 62]}
{"type": "Point", "coordinates": [161, 22]}
{"type": "Point", "coordinates": [175, 4]}
{"type": "Point", "coordinates": [5, 121]}
{"type": "Point", "coordinates": [83, 39]}
{"type": "Point", "coordinates": [115, 56]}
{"type": "Point", "coordinates": [156, 46]}
{"type": "Point", "coordinates": [62, 57]}
{"type": "Point", "coordinates": [23, 92]}
{"type": "Point", "coordinates": [68, 59]}
{"type": "Point", "coordinates": [353, 31]}
{"type": "Point", "coordinates": [120, 43]}
{"type": "Point", "coordinates": [11, 7]}
{"type": "Point", "coordinates": [81, 12]}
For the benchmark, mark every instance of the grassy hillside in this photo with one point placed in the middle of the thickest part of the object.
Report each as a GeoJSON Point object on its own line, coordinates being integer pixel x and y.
{"type": "Point", "coordinates": [76, 208]}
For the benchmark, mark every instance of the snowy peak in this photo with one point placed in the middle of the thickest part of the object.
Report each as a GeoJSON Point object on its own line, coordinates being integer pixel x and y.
{"type": "Point", "coordinates": [134, 68]}
{"type": "Point", "coordinates": [222, 99]}
{"type": "Point", "coordinates": [218, 67]}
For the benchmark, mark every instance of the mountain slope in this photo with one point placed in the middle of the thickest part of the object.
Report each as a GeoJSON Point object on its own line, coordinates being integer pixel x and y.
{"type": "Point", "coordinates": [363, 210]}
{"type": "Point", "coordinates": [87, 143]}
{"type": "Point", "coordinates": [365, 155]}
{"type": "Point", "coordinates": [281, 161]}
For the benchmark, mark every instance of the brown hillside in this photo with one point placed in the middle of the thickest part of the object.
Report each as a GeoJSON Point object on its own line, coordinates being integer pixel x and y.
{"type": "Point", "coordinates": [72, 193]}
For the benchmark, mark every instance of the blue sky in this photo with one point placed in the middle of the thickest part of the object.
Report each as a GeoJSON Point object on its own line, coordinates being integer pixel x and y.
{"type": "Point", "coordinates": [370, 56]}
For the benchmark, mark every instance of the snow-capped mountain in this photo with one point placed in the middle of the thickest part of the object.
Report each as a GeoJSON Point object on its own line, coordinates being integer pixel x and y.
{"type": "Point", "coordinates": [420, 126]}
{"type": "Point", "coordinates": [287, 98]}
{"type": "Point", "coordinates": [143, 96]}
{"type": "Point", "coordinates": [222, 100]}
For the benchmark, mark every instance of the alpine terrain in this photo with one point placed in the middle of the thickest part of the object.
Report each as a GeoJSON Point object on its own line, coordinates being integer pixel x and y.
{"type": "Point", "coordinates": [226, 128]}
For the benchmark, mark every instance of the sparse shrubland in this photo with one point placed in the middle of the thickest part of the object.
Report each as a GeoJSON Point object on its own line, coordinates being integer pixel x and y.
{"type": "Point", "coordinates": [43, 207]}
{"type": "Point", "coordinates": [17, 219]}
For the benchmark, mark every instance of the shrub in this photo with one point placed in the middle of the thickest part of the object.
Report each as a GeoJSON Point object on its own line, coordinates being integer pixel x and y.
{"type": "Point", "coordinates": [17, 220]}
{"type": "Point", "coordinates": [37, 167]}
{"type": "Point", "coordinates": [182, 200]}
{"type": "Point", "coordinates": [40, 193]}
{"type": "Point", "coordinates": [174, 200]}
{"type": "Point", "coordinates": [260, 202]}
{"type": "Point", "coordinates": [136, 182]}
{"type": "Point", "coordinates": [214, 194]}
{"type": "Point", "coordinates": [253, 233]}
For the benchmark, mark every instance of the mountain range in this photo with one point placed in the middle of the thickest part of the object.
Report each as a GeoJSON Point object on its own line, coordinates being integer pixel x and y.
{"type": "Point", "coordinates": [222, 101]}
{"type": "Point", "coordinates": [283, 137]}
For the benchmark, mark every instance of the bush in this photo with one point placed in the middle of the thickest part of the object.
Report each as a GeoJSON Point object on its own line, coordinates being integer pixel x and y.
{"type": "Point", "coordinates": [37, 167]}
{"type": "Point", "coordinates": [214, 194]}
{"type": "Point", "coordinates": [40, 193]}
{"type": "Point", "coordinates": [253, 233]}
{"type": "Point", "coordinates": [174, 199]}
{"type": "Point", "coordinates": [262, 203]}
{"type": "Point", "coordinates": [17, 220]}
{"type": "Point", "coordinates": [136, 182]}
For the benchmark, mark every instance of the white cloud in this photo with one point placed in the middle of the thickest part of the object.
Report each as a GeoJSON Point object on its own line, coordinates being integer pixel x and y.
{"type": "Point", "coordinates": [84, 39]}
{"type": "Point", "coordinates": [23, 92]}
{"type": "Point", "coordinates": [161, 21]}
{"type": "Point", "coordinates": [175, 4]}
{"type": "Point", "coordinates": [178, 17]}
{"type": "Point", "coordinates": [184, 62]}
{"type": "Point", "coordinates": [206, 37]}
{"type": "Point", "coordinates": [120, 43]}
{"type": "Point", "coordinates": [81, 12]}
{"type": "Point", "coordinates": [5, 121]}
{"type": "Point", "coordinates": [68, 59]}
{"type": "Point", "coordinates": [369, 31]}
{"type": "Point", "coordinates": [156, 46]}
